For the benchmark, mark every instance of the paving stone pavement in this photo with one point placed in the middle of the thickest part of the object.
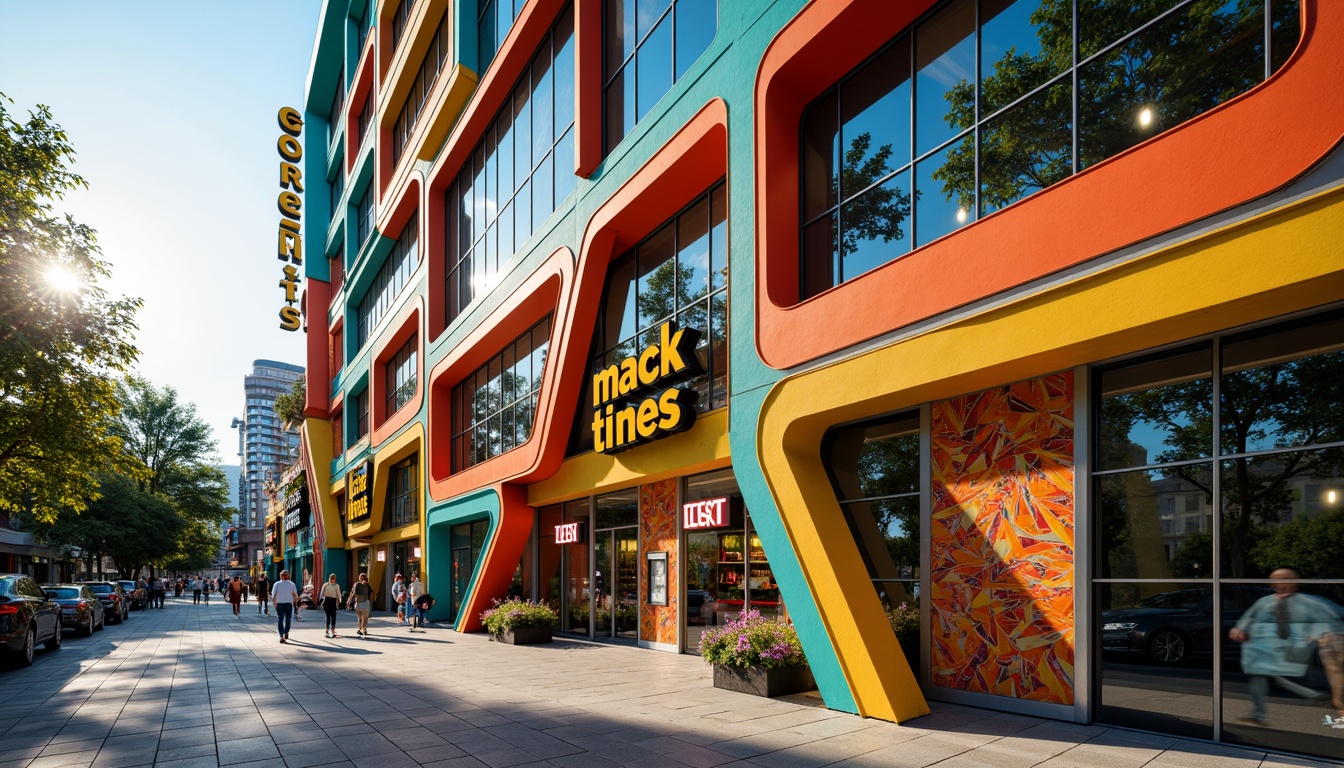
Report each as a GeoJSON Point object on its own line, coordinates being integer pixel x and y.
{"type": "Point", "coordinates": [195, 687]}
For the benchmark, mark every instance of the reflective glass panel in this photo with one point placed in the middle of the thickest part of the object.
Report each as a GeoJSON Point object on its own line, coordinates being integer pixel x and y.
{"type": "Point", "coordinates": [1156, 524]}
{"type": "Point", "coordinates": [944, 74]}
{"type": "Point", "coordinates": [945, 201]}
{"type": "Point", "coordinates": [1157, 411]}
{"type": "Point", "coordinates": [1284, 509]}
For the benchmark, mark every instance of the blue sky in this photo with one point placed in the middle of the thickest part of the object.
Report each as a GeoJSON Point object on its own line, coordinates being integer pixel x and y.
{"type": "Point", "coordinates": [171, 106]}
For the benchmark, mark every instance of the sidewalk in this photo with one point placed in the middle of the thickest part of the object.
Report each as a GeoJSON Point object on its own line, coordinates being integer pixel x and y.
{"type": "Point", "coordinates": [195, 687]}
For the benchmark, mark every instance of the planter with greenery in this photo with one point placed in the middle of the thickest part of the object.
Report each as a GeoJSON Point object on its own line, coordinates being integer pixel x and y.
{"type": "Point", "coordinates": [754, 655]}
{"type": "Point", "coordinates": [904, 620]}
{"type": "Point", "coordinates": [520, 622]}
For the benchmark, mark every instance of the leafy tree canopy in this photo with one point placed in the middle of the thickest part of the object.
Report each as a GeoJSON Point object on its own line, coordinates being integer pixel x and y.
{"type": "Point", "coordinates": [290, 406]}
{"type": "Point", "coordinates": [61, 335]}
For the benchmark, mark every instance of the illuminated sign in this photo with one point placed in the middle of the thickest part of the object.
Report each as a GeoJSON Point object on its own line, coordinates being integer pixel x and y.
{"type": "Point", "coordinates": [571, 533]}
{"type": "Point", "coordinates": [359, 494]}
{"type": "Point", "coordinates": [289, 247]}
{"type": "Point", "coordinates": [296, 508]}
{"type": "Point", "coordinates": [708, 513]}
{"type": "Point", "coordinates": [628, 409]}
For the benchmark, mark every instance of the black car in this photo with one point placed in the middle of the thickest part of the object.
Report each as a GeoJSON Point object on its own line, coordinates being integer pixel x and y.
{"type": "Point", "coordinates": [80, 608]}
{"type": "Point", "coordinates": [114, 599]}
{"type": "Point", "coordinates": [1170, 627]}
{"type": "Point", "coordinates": [27, 617]}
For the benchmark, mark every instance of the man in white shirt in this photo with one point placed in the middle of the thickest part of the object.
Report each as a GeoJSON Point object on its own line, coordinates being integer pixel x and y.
{"type": "Point", "coordinates": [284, 595]}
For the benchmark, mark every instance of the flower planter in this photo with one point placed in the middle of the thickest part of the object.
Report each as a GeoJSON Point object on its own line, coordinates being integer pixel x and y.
{"type": "Point", "coordinates": [760, 681]}
{"type": "Point", "coordinates": [524, 635]}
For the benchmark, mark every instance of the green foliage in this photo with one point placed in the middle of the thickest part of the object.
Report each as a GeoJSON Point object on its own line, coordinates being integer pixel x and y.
{"type": "Point", "coordinates": [58, 349]}
{"type": "Point", "coordinates": [176, 447]}
{"type": "Point", "coordinates": [752, 641]}
{"type": "Point", "coordinates": [516, 613]}
{"type": "Point", "coordinates": [289, 406]}
{"type": "Point", "coordinates": [904, 620]}
{"type": "Point", "coordinates": [1312, 545]}
{"type": "Point", "coordinates": [196, 548]}
{"type": "Point", "coordinates": [132, 527]}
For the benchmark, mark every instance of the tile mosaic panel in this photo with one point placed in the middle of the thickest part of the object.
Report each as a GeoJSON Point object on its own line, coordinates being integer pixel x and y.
{"type": "Point", "coordinates": [1002, 541]}
{"type": "Point", "coordinates": [658, 533]}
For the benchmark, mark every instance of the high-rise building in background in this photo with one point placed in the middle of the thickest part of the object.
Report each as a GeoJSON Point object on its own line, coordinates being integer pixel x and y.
{"type": "Point", "coordinates": [265, 446]}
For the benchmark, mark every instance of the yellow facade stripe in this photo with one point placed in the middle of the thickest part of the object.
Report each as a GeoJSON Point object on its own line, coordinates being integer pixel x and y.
{"type": "Point", "coordinates": [1276, 263]}
{"type": "Point", "coordinates": [403, 445]}
{"type": "Point", "coordinates": [317, 444]}
{"type": "Point", "coordinates": [699, 449]}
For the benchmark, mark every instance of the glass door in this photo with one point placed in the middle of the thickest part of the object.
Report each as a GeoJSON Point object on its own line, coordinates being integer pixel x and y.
{"type": "Point", "coordinates": [574, 618]}
{"type": "Point", "coordinates": [625, 594]}
{"type": "Point", "coordinates": [616, 565]}
{"type": "Point", "coordinates": [462, 566]}
{"type": "Point", "coordinates": [601, 576]}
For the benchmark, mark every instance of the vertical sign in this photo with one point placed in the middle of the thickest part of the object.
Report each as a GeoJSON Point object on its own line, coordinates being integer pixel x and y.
{"type": "Point", "coordinates": [289, 247]}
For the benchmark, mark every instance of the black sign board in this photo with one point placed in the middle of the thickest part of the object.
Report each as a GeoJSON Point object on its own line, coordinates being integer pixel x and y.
{"type": "Point", "coordinates": [359, 493]}
{"type": "Point", "coordinates": [297, 512]}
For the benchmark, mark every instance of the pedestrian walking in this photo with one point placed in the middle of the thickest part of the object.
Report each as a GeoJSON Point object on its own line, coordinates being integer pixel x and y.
{"type": "Point", "coordinates": [361, 599]}
{"type": "Point", "coordinates": [196, 586]}
{"type": "Point", "coordinates": [205, 593]}
{"type": "Point", "coordinates": [285, 596]}
{"type": "Point", "coordinates": [235, 593]}
{"type": "Point", "coordinates": [263, 596]}
{"type": "Point", "coordinates": [160, 591]}
{"type": "Point", "coordinates": [413, 592]}
{"type": "Point", "coordinates": [331, 602]}
{"type": "Point", "coordinates": [399, 597]}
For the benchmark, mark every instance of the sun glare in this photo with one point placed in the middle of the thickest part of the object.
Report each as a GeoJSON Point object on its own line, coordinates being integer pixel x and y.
{"type": "Point", "coordinates": [62, 280]}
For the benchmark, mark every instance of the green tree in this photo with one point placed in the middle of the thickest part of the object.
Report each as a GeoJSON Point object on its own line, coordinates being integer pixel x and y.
{"type": "Point", "coordinates": [1312, 545]}
{"type": "Point", "coordinates": [290, 405]}
{"type": "Point", "coordinates": [61, 336]}
{"type": "Point", "coordinates": [134, 528]}
{"type": "Point", "coordinates": [176, 448]}
{"type": "Point", "coordinates": [196, 548]}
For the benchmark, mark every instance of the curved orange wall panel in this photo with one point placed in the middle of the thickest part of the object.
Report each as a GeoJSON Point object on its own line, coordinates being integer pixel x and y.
{"type": "Point", "coordinates": [541, 294]}
{"type": "Point", "coordinates": [1001, 530]}
{"type": "Point", "coordinates": [1233, 153]}
{"type": "Point", "coordinates": [407, 323]}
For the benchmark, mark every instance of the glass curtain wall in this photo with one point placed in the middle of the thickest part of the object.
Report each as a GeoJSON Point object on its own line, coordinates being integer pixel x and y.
{"type": "Point", "coordinates": [982, 103]}
{"type": "Point", "coordinates": [1219, 570]}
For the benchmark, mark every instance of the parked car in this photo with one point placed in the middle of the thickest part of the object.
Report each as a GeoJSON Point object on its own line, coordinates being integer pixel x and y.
{"type": "Point", "coordinates": [27, 617]}
{"type": "Point", "coordinates": [114, 599]}
{"type": "Point", "coordinates": [134, 594]}
{"type": "Point", "coordinates": [1171, 627]}
{"type": "Point", "coordinates": [80, 608]}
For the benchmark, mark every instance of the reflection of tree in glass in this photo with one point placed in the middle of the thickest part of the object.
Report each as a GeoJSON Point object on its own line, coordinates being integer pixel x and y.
{"type": "Point", "coordinates": [658, 296]}
{"type": "Point", "coordinates": [1189, 62]}
{"type": "Point", "coordinates": [880, 211]}
{"type": "Point", "coordinates": [889, 467]}
{"type": "Point", "coordinates": [1294, 403]}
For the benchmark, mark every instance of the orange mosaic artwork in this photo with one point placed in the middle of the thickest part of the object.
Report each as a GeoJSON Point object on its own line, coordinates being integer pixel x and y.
{"type": "Point", "coordinates": [1002, 541]}
{"type": "Point", "coordinates": [658, 533]}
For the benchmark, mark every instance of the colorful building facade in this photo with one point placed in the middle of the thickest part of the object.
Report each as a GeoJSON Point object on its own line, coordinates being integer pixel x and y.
{"type": "Point", "coordinates": [1012, 327]}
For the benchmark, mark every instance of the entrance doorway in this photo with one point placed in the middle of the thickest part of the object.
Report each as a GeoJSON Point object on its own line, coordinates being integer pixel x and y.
{"type": "Point", "coordinates": [615, 576]}
{"type": "Point", "coordinates": [465, 544]}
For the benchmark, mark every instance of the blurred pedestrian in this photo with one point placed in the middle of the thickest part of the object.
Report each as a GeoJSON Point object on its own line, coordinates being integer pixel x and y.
{"type": "Point", "coordinates": [399, 597]}
{"type": "Point", "coordinates": [413, 592]}
{"type": "Point", "coordinates": [196, 586]}
{"type": "Point", "coordinates": [263, 595]}
{"type": "Point", "coordinates": [361, 599]}
{"type": "Point", "coordinates": [331, 602]}
{"type": "Point", "coordinates": [422, 604]}
{"type": "Point", "coordinates": [235, 593]}
{"type": "Point", "coordinates": [286, 596]}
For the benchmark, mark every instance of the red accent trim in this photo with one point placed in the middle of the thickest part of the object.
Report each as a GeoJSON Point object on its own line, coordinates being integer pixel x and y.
{"type": "Point", "coordinates": [1236, 152]}
{"type": "Point", "coordinates": [588, 90]}
{"type": "Point", "coordinates": [361, 91]}
{"type": "Point", "coordinates": [502, 554]}
{"type": "Point", "coordinates": [317, 388]}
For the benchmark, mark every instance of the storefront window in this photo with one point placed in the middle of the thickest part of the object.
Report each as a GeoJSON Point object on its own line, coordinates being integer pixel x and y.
{"type": "Point", "coordinates": [875, 468]}
{"type": "Point", "coordinates": [1203, 515]}
{"type": "Point", "coordinates": [466, 540]}
{"type": "Point", "coordinates": [578, 592]}
{"type": "Point", "coordinates": [726, 566]}
{"type": "Point", "coordinates": [616, 564]}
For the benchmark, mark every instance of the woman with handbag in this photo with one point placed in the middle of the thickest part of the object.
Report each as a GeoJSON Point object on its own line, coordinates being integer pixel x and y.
{"type": "Point", "coordinates": [399, 597]}
{"type": "Point", "coordinates": [361, 599]}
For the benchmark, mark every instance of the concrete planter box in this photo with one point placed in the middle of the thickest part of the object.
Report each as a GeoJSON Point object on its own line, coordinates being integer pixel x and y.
{"type": "Point", "coordinates": [524, 636]}
{"type": "Point", "coordinates": [760, 681]}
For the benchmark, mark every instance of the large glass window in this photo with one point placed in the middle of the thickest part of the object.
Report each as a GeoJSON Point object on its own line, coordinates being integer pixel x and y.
{"type": "Point", "coordinates": [927, 136]}
{"type": "Point", "coordinates": [875, 469]}
{"type": "Point", "coordinates": [650, 45]}
{"type": "Point", "coordinates": [401, 375]}
{"type": "Point", "coordinates": [680, 272]}
{"type": "Point", "coordinates": [337, 106]}
{"type": "Point", "coordinates": [403, 494]}
{"type": "Point", "coordinates": [522, 169]}
{"type": "Point", "coordinates": [365, 121]}
{"type": "Point", "coordinates": [400, 18]}
{"type": "Point", "coordinates": [493, 21]}
{"type": "Point", "coordinates": [337, 190]}
{"type": "Point", "coordinates": [387, 284]}
{"type": "Point", "coordinates": [364, 226]}
{"type": "Point", "coordinates": [360, 405]}
{"type": "Point", "coordinates": [435, 59]}
{"type": "Point", "coordinates": [1215, 467]}
{"type": "Point", "coordinates": [494, 407]}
